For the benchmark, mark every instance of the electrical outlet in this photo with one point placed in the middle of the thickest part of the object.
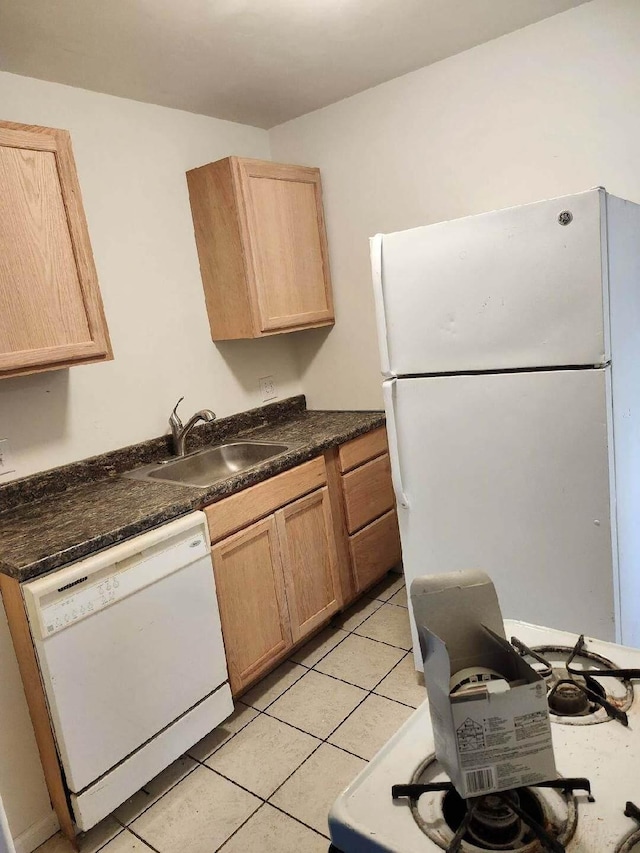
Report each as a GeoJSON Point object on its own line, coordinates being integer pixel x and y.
{"type": "Point", "coordinates": [268, 388]}
{"type": "Point", "coordinates": [6, 458]}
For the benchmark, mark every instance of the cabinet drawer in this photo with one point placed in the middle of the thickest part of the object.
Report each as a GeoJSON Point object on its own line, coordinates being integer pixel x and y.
{"type": "Point", "coordinates": [362, 448]}
{"type": "Point", "coordinates": [237, 511]}
{"type": "Point", "coordinates": [368, 492]}
{"type": "Point", "coordinates": [375, 549]}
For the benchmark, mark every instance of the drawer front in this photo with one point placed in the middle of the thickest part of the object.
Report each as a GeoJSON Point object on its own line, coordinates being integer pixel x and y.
{"type": "Point", "coordinates": [362, 448]}
{"type": "Point", "coordinates": [240, 510]}
{"type": "Point", "coordinates": [375, 549]}
{"type": "Point", "coordinates": [368, 492]}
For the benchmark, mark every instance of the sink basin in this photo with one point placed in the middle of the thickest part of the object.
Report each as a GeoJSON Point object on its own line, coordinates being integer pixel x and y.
{"type": "Point", "coordinates": [208, 466]}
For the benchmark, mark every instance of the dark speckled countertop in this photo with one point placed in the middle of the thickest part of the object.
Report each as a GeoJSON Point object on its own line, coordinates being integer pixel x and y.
{"type": "Point", "coordinates": [62, 515]}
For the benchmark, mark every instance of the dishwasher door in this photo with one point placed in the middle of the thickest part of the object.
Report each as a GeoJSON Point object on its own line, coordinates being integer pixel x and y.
{"type": "Point", "coordinates": [127, 641]}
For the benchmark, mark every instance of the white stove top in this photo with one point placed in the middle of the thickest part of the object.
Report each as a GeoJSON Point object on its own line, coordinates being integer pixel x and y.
{"type": "Point", "coordinates": [365, 819]}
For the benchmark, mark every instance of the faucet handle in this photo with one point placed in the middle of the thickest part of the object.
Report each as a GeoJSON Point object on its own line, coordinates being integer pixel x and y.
{"type": "Point", "coordinates": [174, 418]}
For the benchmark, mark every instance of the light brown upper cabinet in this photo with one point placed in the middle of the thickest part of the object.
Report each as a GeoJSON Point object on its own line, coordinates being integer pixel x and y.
{"type": "Point", "coordinates": [262, 246]}
{"type": "Point", "coordinates": [51, 313]}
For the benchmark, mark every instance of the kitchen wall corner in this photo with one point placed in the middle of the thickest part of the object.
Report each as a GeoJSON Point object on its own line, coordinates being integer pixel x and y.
{"type": "Point", "coordinates": [131, 159]}
{"type": "Point", "coordinates": [544, 111]}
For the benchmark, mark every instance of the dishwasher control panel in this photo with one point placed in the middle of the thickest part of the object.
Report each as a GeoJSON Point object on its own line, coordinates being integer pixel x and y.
{"type": "Point", "coordinates": [84, 602]}
{"type": "Point", "coordinates": [65, 598]}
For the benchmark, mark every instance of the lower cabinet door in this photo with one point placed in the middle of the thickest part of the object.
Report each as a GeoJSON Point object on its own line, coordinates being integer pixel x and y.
{"type": "Point", "coordinates": [305, 533]}
{"type": "Point", "coordinates": [252, 601]}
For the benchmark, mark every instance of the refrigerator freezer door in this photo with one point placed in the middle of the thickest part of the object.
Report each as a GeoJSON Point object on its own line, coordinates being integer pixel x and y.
{"type": "Point", "coordinates": [510, 473]}
{"type": "Point", "coordinates": [504, 290]}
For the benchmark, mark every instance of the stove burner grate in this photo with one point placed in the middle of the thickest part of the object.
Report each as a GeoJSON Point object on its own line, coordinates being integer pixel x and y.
{"type": "Point", "coordinates": [632, 842]}
{"type": "Point", "coordinates": [501, 819]}
{"type": "Point", "coordinates": [580, 694]}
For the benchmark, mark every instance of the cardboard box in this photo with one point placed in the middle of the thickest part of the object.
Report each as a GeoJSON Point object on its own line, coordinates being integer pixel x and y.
{"type": "Point", "coordinates": [488, 706]}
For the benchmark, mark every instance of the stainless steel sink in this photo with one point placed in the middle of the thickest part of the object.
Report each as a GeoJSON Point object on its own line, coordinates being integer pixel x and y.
{"type": "Point", "coordinates": [208, 466]}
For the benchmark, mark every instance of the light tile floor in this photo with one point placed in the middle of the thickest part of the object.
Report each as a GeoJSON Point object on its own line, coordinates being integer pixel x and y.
{"type": "Point", "coordinates": [263, 781]}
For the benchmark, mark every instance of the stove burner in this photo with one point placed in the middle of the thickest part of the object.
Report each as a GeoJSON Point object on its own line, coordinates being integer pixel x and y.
{"type": "Point", "coordinates": [575, 695]}
{"type": "Point", "coordinates": [567, 699]}
{"type": "Point", "coordinates": [517, 820]}
{"type": "Point", "coordinates": [496, 821]}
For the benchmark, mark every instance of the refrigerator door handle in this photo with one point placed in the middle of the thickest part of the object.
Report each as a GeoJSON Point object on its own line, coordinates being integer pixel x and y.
{"type": "Point", "coordinates": [375, 245]}
{"type": "Point", "coordinates": [389, 394]}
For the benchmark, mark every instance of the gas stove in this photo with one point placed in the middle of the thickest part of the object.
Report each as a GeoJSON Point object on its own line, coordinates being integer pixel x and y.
{"type": "Point", "coordinates": [594, 704]}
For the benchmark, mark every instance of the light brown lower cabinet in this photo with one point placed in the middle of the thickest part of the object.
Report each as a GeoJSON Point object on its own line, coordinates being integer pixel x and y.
{"type": "Point", "coordinates": [305, 533]}
{"type": "Point", "coordinates": [277, 581]}
{"type": "Point", "coordinates": [363, 502]}
{"type": "Point", "coordinates": [252, 602]}
{"type": "Point", "coordinates": [291, 551]}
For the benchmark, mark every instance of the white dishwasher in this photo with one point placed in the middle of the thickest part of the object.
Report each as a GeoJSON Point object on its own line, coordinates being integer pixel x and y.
{"type": "Point", "coordinates": [131, 655]}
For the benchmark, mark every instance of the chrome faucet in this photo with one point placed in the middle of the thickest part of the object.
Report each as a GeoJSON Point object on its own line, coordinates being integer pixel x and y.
{"type": "Point", "coordinates": [180, 432]}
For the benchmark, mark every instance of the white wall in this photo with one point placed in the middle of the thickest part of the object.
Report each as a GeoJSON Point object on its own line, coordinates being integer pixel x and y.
{"type": "Point", "coordinates": [131, 160]}
{"type": "Point", "coordinates": [550, 109]}
{"type": "Point", "coordinates": [547, 110]}
{"type": "Point", "coordinates": [22, 786]}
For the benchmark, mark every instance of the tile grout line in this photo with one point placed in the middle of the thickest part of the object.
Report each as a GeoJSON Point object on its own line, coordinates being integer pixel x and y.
{"type": "Point", "coordinates": [308, 668]}
{"type": "Point", "coordinates": [113, 837]}
{"type": "Point", "coordinates": [328, 675]}
{"type": "Point", "coordinates": [384, 642]}
{"type": "Point", "coordinates": [198, 763]}
{"type": "Point", "coordinates": [163, 794]}
{"type": "Point", "coordinates": [244, 823]}
{"type": "Point", "coordinates": [368, 691]}
{"type": "Point", "coordinates": [312, 668]}
{"type": "Point", "coordinates": [325, 740]}
{"type": "Point", "coordinates": [201, 763]}
{"type": "Point", "coordinates": [282, 811]}
{"type": "Point", "coordinates": [352, 683]}
{"type": "Point", "coordinates": [264, 801]}
{"type": "Point", "coordinates": [140, 838]}
{"type": "Point", "coordinates": [278, 809]}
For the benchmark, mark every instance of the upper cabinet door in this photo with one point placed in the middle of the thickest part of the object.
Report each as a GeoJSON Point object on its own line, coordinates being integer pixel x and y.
{"type": "Point", "coordinates": [287, 243]}
{"type": "Point", "coordinates": [262, 246]}
{"type": "Point", "coordinates": [51, 312]}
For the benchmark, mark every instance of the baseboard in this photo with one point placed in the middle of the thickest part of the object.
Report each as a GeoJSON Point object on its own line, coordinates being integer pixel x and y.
{"type": "Point", "coordinates": [37, 834]}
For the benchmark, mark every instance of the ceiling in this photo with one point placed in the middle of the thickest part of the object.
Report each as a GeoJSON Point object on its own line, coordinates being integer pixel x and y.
{"type": "Point", "coordinates": [260, 62]}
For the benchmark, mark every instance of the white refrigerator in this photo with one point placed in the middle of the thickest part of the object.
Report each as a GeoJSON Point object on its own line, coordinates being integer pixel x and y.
{"type": "Point", "coordinates": [510, 351]}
